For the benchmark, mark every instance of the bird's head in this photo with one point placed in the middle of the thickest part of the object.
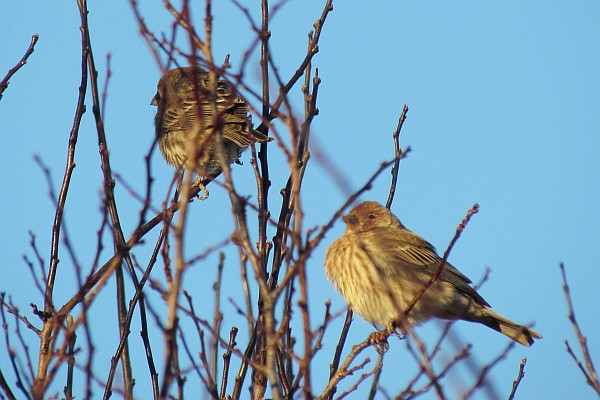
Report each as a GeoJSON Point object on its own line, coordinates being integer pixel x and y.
{"type": "Point", "coordinates": [370, 215]}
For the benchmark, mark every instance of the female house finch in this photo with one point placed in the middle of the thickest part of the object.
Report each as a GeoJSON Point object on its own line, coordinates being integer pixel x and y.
{"type": "Point", "coordinates": [190, 121]}
{"type": "Point", "coordinates": [379, 267]}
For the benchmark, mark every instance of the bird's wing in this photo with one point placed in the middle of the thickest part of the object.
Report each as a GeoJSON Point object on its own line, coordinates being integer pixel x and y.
{"type": "Point", "coordinates": [410, 250]}
{"type": "Point", "coordinates": [171, 118]}
{"type": "Point", "coordinates": [231, 109]}
{"type": "Point", "coordinates": [234, 111]}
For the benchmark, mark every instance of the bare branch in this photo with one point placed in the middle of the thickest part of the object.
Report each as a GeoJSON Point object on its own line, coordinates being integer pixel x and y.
{"type": "Point", "coordinates": [440, 269]}
{"type": "Point", "coordinates": [516, 382]}
{"type": "Point", "coordinates": [6, 81]}
{"type": "Point", "coordinates": [398, 157]}
{"type": "Point", "coordinates": [589, 371]}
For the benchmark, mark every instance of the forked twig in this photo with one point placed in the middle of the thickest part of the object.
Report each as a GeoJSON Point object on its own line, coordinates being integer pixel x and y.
{"type": "Point", "coordinates": [588, 370]}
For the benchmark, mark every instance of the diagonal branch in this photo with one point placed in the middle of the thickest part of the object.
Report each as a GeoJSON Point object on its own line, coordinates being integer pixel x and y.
{"type": "Point", "coordinates": [6, 81]}
{"type": "Point", "coordinates": [589, 371]}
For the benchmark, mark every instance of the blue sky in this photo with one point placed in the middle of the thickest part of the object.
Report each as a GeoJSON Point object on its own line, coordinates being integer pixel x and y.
{"type": "Point", "coordinates": [503, 99]}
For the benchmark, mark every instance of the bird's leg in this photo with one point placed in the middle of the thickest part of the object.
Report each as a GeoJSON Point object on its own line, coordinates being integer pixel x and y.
{"type": "Point", "coordinates": [238, 161]}
{"type": "Point", "coordinates": [398, 328]}
{"type": "Point", "coordinates": [198, 184]}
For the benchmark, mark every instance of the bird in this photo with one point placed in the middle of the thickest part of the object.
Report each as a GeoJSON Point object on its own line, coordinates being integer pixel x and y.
{"type": "Point", "coordinates": [379, 267]}
{"type": "Point", "coordinates": [191, 120]}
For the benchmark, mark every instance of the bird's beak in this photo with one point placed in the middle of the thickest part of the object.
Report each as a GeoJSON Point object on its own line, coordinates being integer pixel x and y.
{"type": "Point", "coordinates": [154, 101]}
{"type": "Point", "coordinates": [350, 220]}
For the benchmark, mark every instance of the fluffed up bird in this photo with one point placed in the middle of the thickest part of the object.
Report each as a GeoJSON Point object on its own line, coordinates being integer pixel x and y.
{"type": "Point", "coordinates": [379, 267]}
{"type": "Point", "coordinates": [190, 121]}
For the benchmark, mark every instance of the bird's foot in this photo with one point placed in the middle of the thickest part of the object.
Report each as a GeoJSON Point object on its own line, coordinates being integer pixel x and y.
{"type": "Point", "coordinates": [379, 341]}
{"type": "Point", "coordinates": [198, 184]}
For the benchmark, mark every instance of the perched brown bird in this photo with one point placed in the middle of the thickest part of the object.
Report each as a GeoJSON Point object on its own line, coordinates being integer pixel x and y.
{"type": "Point", "coordinates": [190, 121]}
{"type": "Point", "coordinates": [379, 267]}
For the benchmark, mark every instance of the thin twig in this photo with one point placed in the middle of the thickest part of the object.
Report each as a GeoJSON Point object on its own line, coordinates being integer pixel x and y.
{"type": "Point", "coordinates": [6, 388]}
{"type": "Point", "coordinates": [363, 377]}
{"type": "Point", "coordinates": [5, 82]}
{"type": "Point", "coordinates": [68, 390]}
{"type": "Point", "coordinates": [440, 269]}
{"type": "Point", "coordinates": [314, 49]}
{"type": "Point", "coordinates": [227, 361]}
{"type": "Point", "coordinates": [516, 382]}
{"type": "Point", "coordinates": [410, 393]}
{"type": "Point", "coordinates": [375, 384]}
{"type": "Point", "coordinates": [398, 157]}
{"type": "Point", "coordinates": [48, 330]}
{"type": "Point", "coordinates": [11, 355]}
{"type": "Point", "coordinates": [589, 371]}
{"type": "Point", "coordinates": [333, 368]}
{"type": "Point", "coordinates": [109, 183]}
{"type": "Point", "coordinates": [344, 369]}
{"type": "Point", "coordinates": [217, 317]}
{"type": "Point", "coordinates": [484, 371]}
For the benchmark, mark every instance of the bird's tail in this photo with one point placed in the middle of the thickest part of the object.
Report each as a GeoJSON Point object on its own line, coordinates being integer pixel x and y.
{"type": "Point", "coordinates": [497, 322]}
{"type": "Point", "coordinates": [260, 137]}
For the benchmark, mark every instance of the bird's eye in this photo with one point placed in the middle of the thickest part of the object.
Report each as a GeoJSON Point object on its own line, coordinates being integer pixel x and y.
{"type": "Point", "coordinates": [371, 216]}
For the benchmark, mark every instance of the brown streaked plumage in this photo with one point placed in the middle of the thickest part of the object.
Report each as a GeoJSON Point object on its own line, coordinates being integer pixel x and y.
{"type": "Point", "coordinates": [186, 122]}
{"type": "Point", "coordinates": [379, 267]}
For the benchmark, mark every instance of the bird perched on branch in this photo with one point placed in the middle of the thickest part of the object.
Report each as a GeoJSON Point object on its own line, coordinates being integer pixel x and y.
{"type": "Point", "coordinates": [380, 267]}
{"type": "Point", "coordinates": [191, 120]}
